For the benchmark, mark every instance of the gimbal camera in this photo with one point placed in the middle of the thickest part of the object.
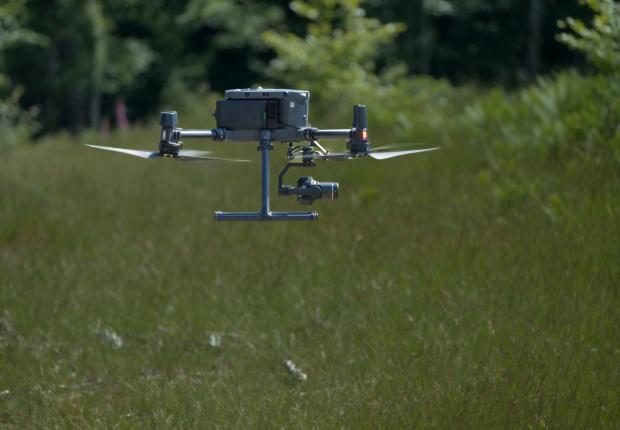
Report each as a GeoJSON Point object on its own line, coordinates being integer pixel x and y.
{"type": "Point", "coordinates": [267, 116]}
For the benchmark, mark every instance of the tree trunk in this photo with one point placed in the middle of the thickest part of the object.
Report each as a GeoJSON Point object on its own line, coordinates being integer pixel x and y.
{"type": "Point", "coordinates": [533, 49]}
{"type": "Point", "coordinates": [416, 38]}
{"type": "Point", "coordinates": [97, 22]}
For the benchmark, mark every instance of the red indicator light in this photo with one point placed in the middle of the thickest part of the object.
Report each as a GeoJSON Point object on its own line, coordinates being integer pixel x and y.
{"type": "Point", "coordinates": [364, 134]}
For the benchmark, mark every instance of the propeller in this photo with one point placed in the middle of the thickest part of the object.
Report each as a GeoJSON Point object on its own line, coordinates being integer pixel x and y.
{"type": "Point", "coordinates": [186, 155]}
{"type": "Point", "coordinates": [378, 153]}
{"type": "Point", "coordinates": [384, 155]}
{"type": "Point", "coordinates": [359, 145]}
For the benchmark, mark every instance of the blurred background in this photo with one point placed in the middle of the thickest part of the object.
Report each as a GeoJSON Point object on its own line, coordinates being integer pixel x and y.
{"type": "Point", "coordinates": [472, 287]}
{"type": "Point", "coordinates": [96, 64]}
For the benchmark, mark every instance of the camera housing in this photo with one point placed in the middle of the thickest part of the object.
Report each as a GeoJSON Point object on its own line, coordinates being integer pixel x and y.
{"type": "Point", "coordinates": [308, 190]}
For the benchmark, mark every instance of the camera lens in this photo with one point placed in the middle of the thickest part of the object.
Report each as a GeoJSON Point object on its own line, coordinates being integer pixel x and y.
{"type": "Point", "coordinates": [330, 190]}
{"type": "Point", "coordinates": [309, 190]}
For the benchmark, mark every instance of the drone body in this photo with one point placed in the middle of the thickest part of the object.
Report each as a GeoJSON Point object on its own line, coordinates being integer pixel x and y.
{"type": "Point", "coordinates": [243, 113]}
{"type": "Point", "coordinates": [267, 116]}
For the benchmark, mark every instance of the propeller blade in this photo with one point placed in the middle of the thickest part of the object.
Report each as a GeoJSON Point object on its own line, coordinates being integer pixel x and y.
{"type": "Point", "coordinates": [187, 155]}
{"type": "Point", "coordinates": [135, 153]}
{"type": "Point", "coordinates": [395, 146]}
{"type": "Point", "coordinates": [376, 155]}
{"type": "Point", "coordinates": [184, 157]}
{"type": "Point", "coordinates": [392, 154]}
{"type": "Point", "coordinates": [193, 153]}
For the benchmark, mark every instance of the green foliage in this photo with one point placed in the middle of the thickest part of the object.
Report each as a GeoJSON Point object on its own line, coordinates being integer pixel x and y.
{"type": "Point", "coordinates": [568, 119]}
{"type": "Point", "coordinates": [335, 59]}
{"type": "Point", "coordinates": [74, 58]}
{"type": "Point", "coordinates": [13, 14]}
{"type": "Point", "coordinates": [16, 124]}
{"type": "Point", "coordinates": [600, 42]}
{"type": "Point", "coordinates": [479, 40]}
{"type": "Point", "coordinates": [567, 113]}
{"type": "Point", "coordinates": [234, 29]}
{"type": "Point", "coordinates": [117, 61]}
{"type": "Point", "coordinates": [100, 46]}
{"type": "Point", "coordinates": [129, 58]}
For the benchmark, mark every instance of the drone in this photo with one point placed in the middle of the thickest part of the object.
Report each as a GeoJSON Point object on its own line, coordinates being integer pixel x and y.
{"type": "Point", "coordinates": [267, 116]}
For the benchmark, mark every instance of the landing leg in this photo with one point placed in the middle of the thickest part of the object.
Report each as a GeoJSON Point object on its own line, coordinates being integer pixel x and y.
{"type": "Point", "coordinates": [265, 213]}
{"type": "Point", "coordinates": [265, 146]}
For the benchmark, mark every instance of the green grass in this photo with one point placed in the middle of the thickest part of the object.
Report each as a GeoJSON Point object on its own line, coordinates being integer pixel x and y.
{"type": "Point", "coordinates": [416, 301]}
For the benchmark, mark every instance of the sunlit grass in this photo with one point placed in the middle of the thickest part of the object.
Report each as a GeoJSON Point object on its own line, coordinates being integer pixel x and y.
{"type": "Point", "coordinates": [416, 301]}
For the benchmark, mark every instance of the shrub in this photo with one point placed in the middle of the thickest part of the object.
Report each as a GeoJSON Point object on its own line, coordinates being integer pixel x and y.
{"type": "Point", "coordinates": [16, 124]}
{"type": "Point", "coordinates": [568, 118]}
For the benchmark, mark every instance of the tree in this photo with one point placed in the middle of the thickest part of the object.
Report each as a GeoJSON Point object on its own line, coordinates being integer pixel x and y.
{"type": "Point", "coordinates": [15, 123]}
{"type": "Point", "coordinates": [533, 46]}
{"type": "Point", "coordinates": [229, 34]}
{"type": "Point", "coordinates": [337, 55]}
{"type": "Point", "coordinates": [99, 51]}
{"type": "Point", "coordinates": [502, 41]}
{"type": "Point", "coordinates": [600, 42]}
{"type": "Point", "coordinates": [113, 70]}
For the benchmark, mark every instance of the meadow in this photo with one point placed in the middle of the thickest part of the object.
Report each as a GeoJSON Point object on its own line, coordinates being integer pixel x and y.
{"type": "Point", "coordinates": [463, 288]}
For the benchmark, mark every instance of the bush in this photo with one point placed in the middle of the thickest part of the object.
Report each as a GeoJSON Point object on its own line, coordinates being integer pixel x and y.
{"type": "Point", "coordinates": [567, 113]}
{"type": "Point", "coordinates": [569, 119]}
{"type": "Point", "coordinates": [16, 124]}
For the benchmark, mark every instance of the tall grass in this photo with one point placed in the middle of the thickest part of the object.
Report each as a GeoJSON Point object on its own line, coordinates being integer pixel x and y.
{"type": "Point", "coordinates": [423, 298]}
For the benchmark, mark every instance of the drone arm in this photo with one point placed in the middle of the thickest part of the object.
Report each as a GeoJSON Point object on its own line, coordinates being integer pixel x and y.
{"type": "Point", "coordinates": [335, 133]}
{"type": "Point", "coordinates": [214, 134]}
{"type": "Point", "coordinates": [339, 133]}
{"type": "Point", "coordinates": [310, 134]}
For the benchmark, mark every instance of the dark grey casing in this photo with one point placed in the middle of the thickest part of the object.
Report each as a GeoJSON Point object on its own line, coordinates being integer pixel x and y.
{"type": "Point", "coordinates": [244, 112]}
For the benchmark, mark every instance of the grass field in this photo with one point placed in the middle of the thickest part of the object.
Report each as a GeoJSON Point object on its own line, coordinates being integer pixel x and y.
{"type": "Point", "coordinates": [416, 301]}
